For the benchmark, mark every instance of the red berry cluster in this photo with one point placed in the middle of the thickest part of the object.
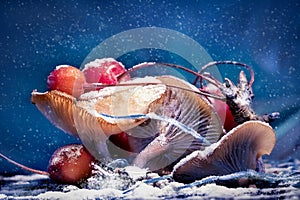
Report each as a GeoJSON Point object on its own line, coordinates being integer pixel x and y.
{"type": "Point", "coordinates": [71, 80]}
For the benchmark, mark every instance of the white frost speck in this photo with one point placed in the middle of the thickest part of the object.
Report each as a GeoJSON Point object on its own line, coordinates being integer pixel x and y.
{"type": "Point", "coordinates": [61, 66]}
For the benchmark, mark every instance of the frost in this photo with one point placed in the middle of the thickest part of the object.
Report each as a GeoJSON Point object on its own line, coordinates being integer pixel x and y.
{"type": "Point", "coordinates": [61, 66]}
{"type": "Point", "coordinates": [124, 100]}
{"type": "Point", "coordinates": [148, 188]}
{"type": "Point", "coordinates": [25, 178]}
{"type": "Point", "coordinates": [99, 62]}
{"type": "Point", "coordinates": [82, 194]}
{"type": "Point", "coordinates": [67, 153]}
{"type": "Point", "coordinates": [135, 172]}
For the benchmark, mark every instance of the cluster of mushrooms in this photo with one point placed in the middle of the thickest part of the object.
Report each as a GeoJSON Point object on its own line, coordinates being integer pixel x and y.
{"type": "Point", "coordinates": [170, 125]}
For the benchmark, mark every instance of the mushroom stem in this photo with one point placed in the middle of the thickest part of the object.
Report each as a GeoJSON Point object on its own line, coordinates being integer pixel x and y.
{"type": "Point", "coordinates": [226, 62]}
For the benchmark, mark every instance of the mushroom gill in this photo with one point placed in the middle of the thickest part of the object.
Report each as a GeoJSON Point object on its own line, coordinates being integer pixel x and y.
{"type": "Point", "coordinates": [57, 107]}
{"type": "Point", "coordinates": [186, 108]}
{"type": "Point", "coordinates": [239, 150]}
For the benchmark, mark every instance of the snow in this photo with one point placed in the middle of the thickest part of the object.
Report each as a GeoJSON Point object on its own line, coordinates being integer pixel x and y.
{"type": "Point", "coordinates": [111, 90]}
{"type": "Point", "coordinates": [135, 172]}
{"type": "Point", "coordinates": [40, 187]}
{"type": "Point", "coordinates": [133, 97]}
{"type": "Point", "coordinates": [144, 191]}
{"type": "Point", "coordinates": [66, 153]}
{"type": "Point", "coordinates": [99, 62]}
{"type": "Point", "coordinates": [82, 194]}
{"type": "Point", "coordinates": [216, 191]}
{"type": "Point", "coordinates": [61, 66]}
{"type": "Point", "coordinates": [24, 177]}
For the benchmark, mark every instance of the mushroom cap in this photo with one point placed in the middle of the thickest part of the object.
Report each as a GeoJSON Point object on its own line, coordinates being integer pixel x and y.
{"type": "Point", "coordinates": [63, 111]}
{"type": "Point", "coordinates": [83, 117]}
{"type": "Point", "coordinates": [238, 150]}
{"type": "Point", "coordinates": [173, 143]}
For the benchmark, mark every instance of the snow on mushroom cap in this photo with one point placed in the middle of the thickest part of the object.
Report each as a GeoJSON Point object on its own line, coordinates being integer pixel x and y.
{"type": "Point", "coordinates": [123, 100]}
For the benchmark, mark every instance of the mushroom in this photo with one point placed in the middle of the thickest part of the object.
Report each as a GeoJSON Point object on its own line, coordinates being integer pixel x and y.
{"type": "Point", "coordinates": [173, 143]}
{"type": "Point", "coordinates": [238, 150]}
{"type": "Point", "coordinates": [179, 133]}
{"type": "Point", "coordinates": [86, 117]}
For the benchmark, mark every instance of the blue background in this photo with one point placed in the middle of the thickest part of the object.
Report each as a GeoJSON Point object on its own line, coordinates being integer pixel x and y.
{"type": "Point", "coordinates": [36, 36]}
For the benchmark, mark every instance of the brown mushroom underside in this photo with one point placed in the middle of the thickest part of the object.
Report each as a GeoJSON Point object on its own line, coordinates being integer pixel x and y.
{"type": "Point", "coordinates": [173, 143]}
{"type": "Point", "coordinates": [239, 150]}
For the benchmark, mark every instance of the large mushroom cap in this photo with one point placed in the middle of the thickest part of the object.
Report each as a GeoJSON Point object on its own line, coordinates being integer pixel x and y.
{"type": "Point", "coordinates": [239, 150]}
{"type": "Point", "coordinates": [91, 117]}
{"type": "Point", "coordinates": [185, 108]}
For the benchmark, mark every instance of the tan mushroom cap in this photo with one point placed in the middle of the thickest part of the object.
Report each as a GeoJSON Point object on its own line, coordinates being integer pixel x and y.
{"type": "Point", "coordinates": [237, 151]}
{"type": "Point", "coordinates": [82, 117]}
{"type": "Point", "coordinates": [61, 110]}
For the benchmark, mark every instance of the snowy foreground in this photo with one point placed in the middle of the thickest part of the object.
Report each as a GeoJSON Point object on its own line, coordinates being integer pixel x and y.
{"type": "Point", "coordinates": [281, 181]}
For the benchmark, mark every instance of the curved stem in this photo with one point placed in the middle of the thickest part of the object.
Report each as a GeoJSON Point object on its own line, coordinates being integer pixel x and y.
{"type": "Point", "coordinates": [226, 62]}
{"type": "Point", "coordinates": [150, 64]}
{"type": "Point", "coordinates": [200, 92]}
{"type": "Point", "coordinates": [23, 166]}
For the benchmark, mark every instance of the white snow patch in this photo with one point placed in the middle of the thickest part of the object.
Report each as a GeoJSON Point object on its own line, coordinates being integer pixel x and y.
{"type": "Point", "coordinates": [144, 191]}
{"type": "Point", "coordinates": [90, 95]}
{"type": "Point", "coordinates": [99, 62]}
{"type": "Point", "coordinates": [216, 191]}
{"type": "Point", "coordinates": [143, 63]}
{"type": "Point", "coordinates": [82, 194]}
{"type": "Point", "coordinates": [25, 177]}
{"type": "Point", "coordinates": [61, 66]}
{"type": "Point", "coordinates": [139, 96]}
{"type": "Point", "coordinates": [135, 172]}
{"type": "Point", "coordinates": [72, 151]}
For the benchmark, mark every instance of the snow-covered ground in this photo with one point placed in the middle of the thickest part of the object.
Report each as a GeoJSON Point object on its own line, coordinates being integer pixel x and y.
{"type": "Point", "coordinates": [282, 180]}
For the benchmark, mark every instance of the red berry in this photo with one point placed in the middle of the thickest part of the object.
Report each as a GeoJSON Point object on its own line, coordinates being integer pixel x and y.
{"type": "Point", "coordinates": [67, 79]}
{"type": "Point", "coordinates": [221, 108]}
{"type": "Point", "coordinates": [229, 120]}
{"type": "Point", "coordinates": [121, 140]}
{"type": "Point", "coordinates": [70, 164]}
{"type": "Point", "coordinates": [105, 70]}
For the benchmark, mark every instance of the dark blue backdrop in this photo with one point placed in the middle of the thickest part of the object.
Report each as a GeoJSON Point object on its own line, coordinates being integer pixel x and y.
{"type": "Point", "coordinates": [36, 36]}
